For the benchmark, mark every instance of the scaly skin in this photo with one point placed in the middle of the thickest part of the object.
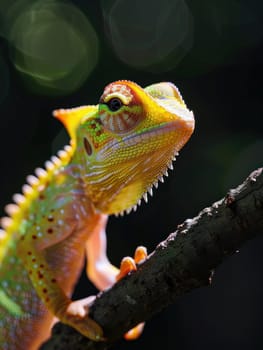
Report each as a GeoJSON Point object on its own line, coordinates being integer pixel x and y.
{"type": "Point", "coordinates": [119, 150]}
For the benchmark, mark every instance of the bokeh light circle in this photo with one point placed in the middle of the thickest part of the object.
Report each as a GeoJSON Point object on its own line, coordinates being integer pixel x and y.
{"type": "Point", "coordinates": [150, 35]}
{"type": "Point", "coordinates": [53, 46]}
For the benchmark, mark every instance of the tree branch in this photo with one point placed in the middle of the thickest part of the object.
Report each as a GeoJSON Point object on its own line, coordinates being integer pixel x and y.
{"type": "Point", "coordinates": [179, 264]}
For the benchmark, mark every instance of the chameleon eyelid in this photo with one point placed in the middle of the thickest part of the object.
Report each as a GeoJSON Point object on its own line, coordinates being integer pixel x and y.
{"type": "Point", "coordinates": [124, 99]}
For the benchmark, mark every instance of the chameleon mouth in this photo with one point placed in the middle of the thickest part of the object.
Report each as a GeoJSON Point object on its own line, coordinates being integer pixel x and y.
{"type": "Point", "coordinates": [154, 132]}
{"type": "Point", "coordinates": [185, 129]}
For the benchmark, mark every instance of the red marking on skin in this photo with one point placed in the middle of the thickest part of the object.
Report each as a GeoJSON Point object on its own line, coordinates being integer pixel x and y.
{"type": "Point", "coordinates": [44, 290]}
{"type": "Point", "coordinates": [29, 253]}
{"type": "Point", "coordinates": [40, 275]}
{"type": "Point", "coordinates": [87, 146]}
{"type": "Point", "coordinates": [30, 272]}
{"type": "Point", "coordinates": [50, 230]}
{"type": "Point", "coordinates": [34, 237]}
{"type": "Point", "coordinates": [47, 300]}
{"type": "Point", "coordinates": [50, 218]}
{"type": "Point", "coordinates": [41, 196]}
{"type": "Point", "coordinates": [53, 280]}
{"type": "Point", "coordinates": [41, 266]}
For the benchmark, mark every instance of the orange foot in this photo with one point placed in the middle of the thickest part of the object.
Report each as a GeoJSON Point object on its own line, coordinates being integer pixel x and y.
{"type": "Point", "coordinates": [129, 264]}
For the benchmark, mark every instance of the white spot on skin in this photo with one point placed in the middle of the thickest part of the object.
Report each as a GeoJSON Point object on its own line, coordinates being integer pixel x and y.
{"type": "Point", "coordinates": [5, 284]}
{"type": "Point", "coordinates": [35, 266]}
{"type": "Point", "coordinates": [39, 234]}
{"type": "Point", "coordinates": [12, 260]}
{"type": "Point", "coordinates": [60, 222]}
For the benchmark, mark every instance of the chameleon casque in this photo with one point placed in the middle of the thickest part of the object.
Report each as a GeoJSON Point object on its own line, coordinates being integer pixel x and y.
{"type": "Point", "coordinates": [119, 149]}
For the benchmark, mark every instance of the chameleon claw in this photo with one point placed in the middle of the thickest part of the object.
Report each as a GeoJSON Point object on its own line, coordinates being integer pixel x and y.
{"type": "Point", "coordinates": [140, 254]}
{"type": "Point", "coordinates": [135, 332]}
{"type": "Point", "coordinates": [127, 265]}
{"type": "Point", "coordinates": [77, 317]}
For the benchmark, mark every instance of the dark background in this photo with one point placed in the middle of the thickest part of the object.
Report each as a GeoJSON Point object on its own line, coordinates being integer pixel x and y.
{"type": "Point", "coordinates": [57, 54]}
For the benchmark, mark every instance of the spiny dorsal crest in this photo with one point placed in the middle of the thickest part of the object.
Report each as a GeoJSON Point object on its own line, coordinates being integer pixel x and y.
{"type": "Point", "coordinates": [30, 191]}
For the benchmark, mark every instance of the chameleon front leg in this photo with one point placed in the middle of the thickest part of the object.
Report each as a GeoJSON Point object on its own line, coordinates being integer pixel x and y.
{"type": "Point", "coordinates": [99, 269]}
{"type": "Point", "coordinates": [32, 250]}
{"type": "Point", "coordinates": [103, 274]}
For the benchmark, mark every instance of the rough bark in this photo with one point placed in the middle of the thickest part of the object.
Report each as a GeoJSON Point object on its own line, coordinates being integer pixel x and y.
{"type": "Point", "coordinates": [184, 261]}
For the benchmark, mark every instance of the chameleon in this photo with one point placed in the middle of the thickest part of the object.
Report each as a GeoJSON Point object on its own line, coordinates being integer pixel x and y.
{"type": "Point", "coordinates": [119, 150]}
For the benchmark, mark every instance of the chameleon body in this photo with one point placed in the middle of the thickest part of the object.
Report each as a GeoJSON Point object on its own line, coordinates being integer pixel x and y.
{"type": "Point", "coordinates": [119, 149]}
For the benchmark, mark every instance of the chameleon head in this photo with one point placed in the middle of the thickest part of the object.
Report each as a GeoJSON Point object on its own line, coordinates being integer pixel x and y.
{"type": "Point", "coordinates": [126, 143]}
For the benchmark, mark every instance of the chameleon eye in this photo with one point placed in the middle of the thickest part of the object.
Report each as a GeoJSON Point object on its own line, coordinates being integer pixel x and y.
{"type": "Point", "coordinates": [114, 104]}
{"type": "Point", "coordinates": [118, 111]}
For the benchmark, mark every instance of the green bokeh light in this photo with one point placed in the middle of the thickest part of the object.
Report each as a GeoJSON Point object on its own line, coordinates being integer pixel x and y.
{"type": "Point", "coordinates": [150, 35]}
{"type": "Point", "coordinates": [53, 46]}
{"type": "Point", "coordinates": [9, 11]}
